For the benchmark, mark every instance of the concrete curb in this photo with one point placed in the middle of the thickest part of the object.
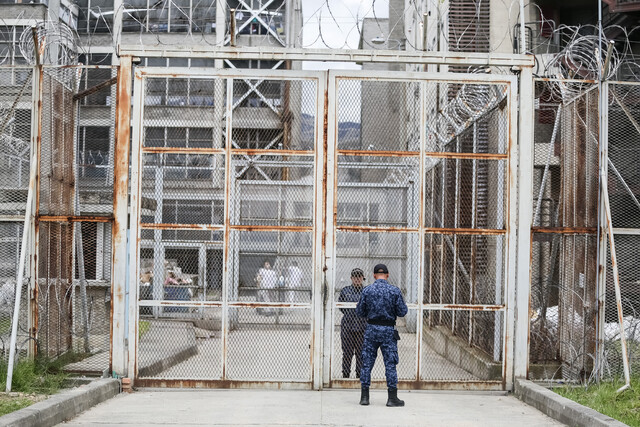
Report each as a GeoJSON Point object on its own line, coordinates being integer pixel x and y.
{"type": "Point", "coordinates": [560, 408]}
{"type": "Point", "coordinates": [63, 406]}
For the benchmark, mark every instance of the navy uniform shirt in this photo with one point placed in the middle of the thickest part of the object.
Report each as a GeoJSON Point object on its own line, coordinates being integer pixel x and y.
{"type": "Point", "coordinates": [381, 301]}
{"type": "Point", "coordinates": [350, 320]}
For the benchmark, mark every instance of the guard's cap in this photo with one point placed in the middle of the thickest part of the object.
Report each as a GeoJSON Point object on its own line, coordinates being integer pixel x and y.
{"type": "Point", "coordinates": [380, 268]}
{"type": "Point", "coordinates": [357, 272]}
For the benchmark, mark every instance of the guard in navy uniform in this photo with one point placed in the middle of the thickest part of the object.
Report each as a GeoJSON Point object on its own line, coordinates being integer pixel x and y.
{"type": "Point", "coordinates": [380, 304]}
{"type": "Point", "coordinates": [351, 326]}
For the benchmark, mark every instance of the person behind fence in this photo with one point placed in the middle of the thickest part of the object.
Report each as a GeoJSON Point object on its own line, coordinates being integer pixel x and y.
{"type": "Point", "coordinates": [380, 304]}
{"type": "Point", "coordinates": [267, 281]}
{"type": "Point", "coordinates": [351, 326]}
{"type": "Point", "coordinates": [294, 281]}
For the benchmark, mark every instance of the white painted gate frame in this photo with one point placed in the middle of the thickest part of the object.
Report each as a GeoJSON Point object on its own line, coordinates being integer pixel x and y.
{"type": "Point", "coordinates": [518, 246]}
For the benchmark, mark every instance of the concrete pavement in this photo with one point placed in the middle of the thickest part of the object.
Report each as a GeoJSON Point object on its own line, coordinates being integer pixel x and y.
{"type": "Point", "coordinates": [151, 407]}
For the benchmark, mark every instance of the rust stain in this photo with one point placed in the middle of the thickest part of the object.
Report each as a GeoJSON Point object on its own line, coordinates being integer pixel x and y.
{"type": "Point", "coordinates": [186, 150]}
{"type": "Point", "coordinates": [164, 226]}
{"type": "Point", "coordinates": [294, 228]}
{"type": "Point", "coordinates": [472, 307]}
{"type": "Point", "coordinates": [425, 385]}
{"type": "Point", "coordinates": [222, 384]}
{"type": "Point", "coordinates": [74, 218]}
{"type": "Point", "coordinates": [564, 230]}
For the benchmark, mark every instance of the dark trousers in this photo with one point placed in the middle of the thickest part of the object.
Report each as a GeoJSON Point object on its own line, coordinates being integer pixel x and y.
{"type": "Point", "coordinates": [351, 345]}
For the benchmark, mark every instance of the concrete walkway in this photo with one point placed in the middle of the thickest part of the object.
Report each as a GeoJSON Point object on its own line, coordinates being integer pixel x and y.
{"type": "Point", "coordinates": [151, 407]}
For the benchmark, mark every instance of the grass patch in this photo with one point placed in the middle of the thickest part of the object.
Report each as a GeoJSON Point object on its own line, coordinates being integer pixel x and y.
{"type": "Point", "coordinates": [41, 376]}
{"type": "Point", "coordinates": [10, 403]}
{"type": "Point", "coordinates": [33, 380]}
{"type": "Point", "coordinates": [603, 398]}
{"type": "Point", "coordinates": [143, 328]}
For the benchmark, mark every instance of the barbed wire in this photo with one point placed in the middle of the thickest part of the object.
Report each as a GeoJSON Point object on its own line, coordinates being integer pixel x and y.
{"type": "Point", "coordinates": [566, 52]}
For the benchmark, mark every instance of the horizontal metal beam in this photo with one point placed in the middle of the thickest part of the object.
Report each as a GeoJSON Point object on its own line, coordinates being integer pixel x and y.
{"type": "Point", "coordinates": [333, 55]}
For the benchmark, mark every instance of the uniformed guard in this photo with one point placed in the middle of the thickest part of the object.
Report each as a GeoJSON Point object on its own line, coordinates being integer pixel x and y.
{"type": "Point", "coordinates": [380, 303]}
{"type": "Point", "coordinates": [352, 327]}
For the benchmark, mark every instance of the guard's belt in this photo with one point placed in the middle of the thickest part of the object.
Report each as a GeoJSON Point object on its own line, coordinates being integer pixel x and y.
{"type": "Point", "coordinates": [381, 322]}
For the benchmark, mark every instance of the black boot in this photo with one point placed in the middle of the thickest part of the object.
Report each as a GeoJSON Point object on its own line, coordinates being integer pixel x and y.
{"type": "Point", "coordinates": [364, 396]}
{"type": "Point", "coordinates": [393, 398]}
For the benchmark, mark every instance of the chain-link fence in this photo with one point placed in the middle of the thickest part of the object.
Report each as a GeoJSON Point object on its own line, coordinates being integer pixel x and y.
{"type": "Point", "coordinates": [574, 326]}
{"type": "Point", "coordinates": [228, 222]}
{"type": "Point", "coordinates": [66, 309]}
{"type": "Point", "coordinates": [624, 193]}
{"type": "Point", "coordinates": [15, 143]}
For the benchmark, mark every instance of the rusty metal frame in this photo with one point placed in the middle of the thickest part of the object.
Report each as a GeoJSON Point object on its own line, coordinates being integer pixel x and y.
{"type": "Point", "coordinates": [334, 55]}
{"type": "Point", "coordinates": [118, 361]}
{"type": "Point", "coordinates": [325, 226]}
{"type": "Point", "coordinates": [138, 149]}
{"type": "Point", "coordinates": [521, 218]}
{"type": "Point", "coordinates": [509, 252]}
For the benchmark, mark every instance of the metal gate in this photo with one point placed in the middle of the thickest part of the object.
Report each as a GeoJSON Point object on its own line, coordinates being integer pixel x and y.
{"type": "Point", "coordinates": [256, 192]}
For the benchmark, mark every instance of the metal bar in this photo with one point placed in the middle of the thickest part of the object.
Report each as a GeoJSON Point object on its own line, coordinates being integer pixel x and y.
{"type": "Point", "coordinates": [320, 271]}
{"type": "Point", "coordinates": [564, 230]}
{"type": "Point", "coordinates": [628, 231]}
{"type": "Point", "coordinates": [232, 26]}
{"type": "Point", "coordinates": [95, 88]}
{"type": "Point", "coordinates": [329, 187]}
{"type": "Point", "coordinates": [334, 55]}
{"type": "Point", "coordinates": [227, 258]}
{"type": "Point", "coordinates": [522, 185]}
{"type": "Point", "coordinates": [134, 232]}
{"type": "Point", "coordinates": [428, 230]}
{"type": "Point", "coordinates": [74, 218]}
{"type": "Point", "coordinates": [430, 154]}
{"type": "Point", "coordinates": [83, 287]}
{"type": "Point", "coordinates": [36, 45]}
{"type": "Point", "coordinates": [601, 246]}
{"type": "Point", "coordinates": [35, 149]}
{"type": "Point", "coordinates": [422, 120]}
{"type": "Point", "coordinates": [120, 219]}
{"type": "Point", "coordinates": [206, 227]}
{"type": "Point", "coordinates": [616, 281]}
{"type": "Point", "coordinates": [28, 220]}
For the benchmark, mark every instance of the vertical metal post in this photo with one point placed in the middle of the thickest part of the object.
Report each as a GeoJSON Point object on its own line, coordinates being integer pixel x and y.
{"type": "Point", "coordinates": [524, 185]}
{"type": "Point", "coordinates": [421, 225]}
{"type": "Point", "coordinates": [134, 233]}
{"type": "Point", "coordinates": [523, 40]}
{"type": "Point", "coordinates": [28, 217]}
{"type": "Point", "coordinates": [232, 26]}
{"type": "Point", "coordinates": [320, 234]}
{"type": "Point", "coordinates": [36, 136]}
{"type": "Point", "coordinates": [601, 278]}
{"type": "Point", "coordinates": [326, 285]}
{"type": "Point", "coordinates": [120, 218]}
{"type": "Point", "coordinates": [220, 29]}
{"type": "Point", "coordinates": [230, 256]}
{"type": "Point", "coordinates": [425, 34]}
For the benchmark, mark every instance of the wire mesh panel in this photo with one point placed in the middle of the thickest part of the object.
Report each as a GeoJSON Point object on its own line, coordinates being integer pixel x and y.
{"type": "Point", "coordinates": [95, 140]}
{"type": "Point", "coordinates": [450, 354]}
{"type": "Point", "coordinates": [57, 153]}
{"type": "Point", "coordinates": [384, 106]}
{"type": "Point", "coordinates": [15, 135]}
{"type": "Point", "coordinates": [432, 205]}
{"type": "Point", "coordinates": [227, 253]}
{"type": "Point", "coordinates": [564, 243]}
{"type": "Point", "coordinates": [73, 283]}
{"type": "Point", "coordinates": [464, 269]}
{"type": "Point", "coordinates": [624, 155]}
